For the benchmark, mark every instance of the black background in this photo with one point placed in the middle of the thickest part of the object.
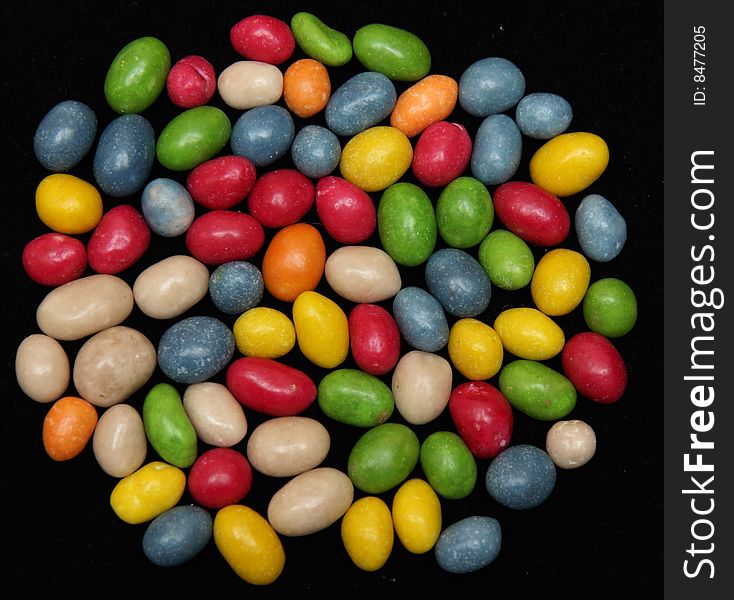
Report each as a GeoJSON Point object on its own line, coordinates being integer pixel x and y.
{"type": "Point", "coordinates": [598, 535]}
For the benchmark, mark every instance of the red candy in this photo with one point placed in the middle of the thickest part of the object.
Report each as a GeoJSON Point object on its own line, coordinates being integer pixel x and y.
{"type": "Point", "coordinates": [441, 154]}
{"type": "Point", "coordinates": [532, 213]}
{"type": "Point", "coordinates": [595, 367]}
{"type": "Point", "coordinates": [222, 236]}
{"type": "Point", "coordinates": [223, 182]}
{"type": "Point", "coordinates": [120, 239]}
{"type": "Point", "coordinates": [219, 477]}
{"type": "Point", "coordinates": [191, 82]}
{"type": "Point", "coordinates": [482, 416]}
{"type": "Point", "coordinates": [270, 387]}
{"type": "Point", "coordinates": [374, 338]}
{"type": "Point", "coordinates": [263, 38]}
{"type": "Point", "coordinates": [280, 198]}
{"type": "Point", "coordinates": [347, 212]}
{"type": "Point", "coordinates": [54, 259]}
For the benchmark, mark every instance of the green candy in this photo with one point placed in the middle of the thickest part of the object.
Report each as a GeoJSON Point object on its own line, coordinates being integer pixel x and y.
{"type": "Point", "coordinates": [137, 75]}
{"type": "Point", "coordinates": [193, 137]}
{"type": "Point", "coordinates": [448, 465]}
{"type": "Point", "coordinates": [464, 212]}
{"type": "Point", "coordinates": [383, 458]}
{"type": "Point", "coordinates": [610, 307]}
{"type": "Point", "coordinates": [319, 41]}
{"type": "Point", "coordinates": [168, 427]}
{"type": "Point", "coordinates": [355, 398]}
{"type": "Point", "coordinates": [537, 390]}
{"type": "Point", "coordinates": [507, 259]}
{"type": "Point", "coordinates": [392, 51]}
{"type": "Point", "coordinates": [406, 224]}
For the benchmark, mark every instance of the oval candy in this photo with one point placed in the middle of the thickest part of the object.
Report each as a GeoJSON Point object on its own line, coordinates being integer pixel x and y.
{"type": "Point", "coordinates": [355, 398]}
{"type": "Point", "coordinates": [570, 444]}
{"type": "Point", "coordinates": [529, 333]}
{"type": "Point", "coordinates": [306, 87]}
{"type": "Point", "coordinates": [319, 41]}
{"type": "Point", "coordinates": [215, 414]}
{"type": "Point", "coordinates": [167, 426]}
{"type": "Point", "coordinates": [497, 150]}
{"type": "Point", "coordinates": [448, 464]}
{"type": "Point", "coordinates": [120, 239]}
{"type": "Point", "coordinates": [458, 282]}
{"type": "Point", "coordinates": [421, 386]}
{"type": "Point", "coordinates": [537, 390]}
{"type": "Point", "coordinates": [193, 137]}
{"type": "Point", "coordinates": [322, 329]}
{"type": "Point", "coordinates": [406, 224]}
{"type": "Point", "coordinates": [543, 116]}
{"type": "Point", "coordinates": [221, 183]}
{"type": "Point", "coordinates": [264, 332]}
{"type": "Point", "coordinates": [65, 135]}
{"type": "Point", "coordinates": [600, 228]}
{"type": "Point", "coordinates": [464, 212]}
{"type": "Point", "coordinates": [441, 154]}
{"type": "Point", "coordinates": [170, 287]}
{"type": "Point", "coordinates": [361, 102]}
{"type": "Point", "coordinates": [490, 86]}
{"type": "Point", "coordinates": [263, 38]}
{"type": "Point", "coordinates": [362, 274]}
{"type": "Point", "coordinates": [521, 477]}
{"type": "Point", "coordinates": [53, 259]}
{"type": "Point", "coordinates": [595, 367]}
{"type": "Point", "coordinates": [67, 427]}
{"type": "Point", "coordinates": [475, 349]}
{"type": "Point", "coordinates": [249, 83]}
{"type": "Point", "coordinates": [119, 441]}
{"type": "Point", "coordinates": [367, 533]}
{"type": "Point", "coordinates": [42, 368]}
{"type": "Point", "coordinates": [263, 134]}
{"type": "Point", "coordinates": [167, 207]}
{"type": "Point", "coordinates": [399, 54]}
{"type": "Point", "coordinates": [560, 281]}
{"type": "Point", "coordinates": [347, 212]}
{"type": "Point", "coordinates": [68, 204]}
{"type": "Point", "coordinates": [421, 319]}
{"type": "Point", "coordinates": [428, 101]}
{"type": "Point", "coordinates": [507, 259]}
{"type": "Point", "coordinates": [374, 339]}
{"type": "Point", "coordinates": [376, 158]}
{"type": "Point", "coordinates": [148, 492]}
{"type": "Point", "coordinates": [315, 151]}
{"type": "Point", "coordinates": [191, 82]}
{"type": "Point", "coordinates": [416, 515]}
{"type": "Point", "coordinates": [221, 236]}
{"type": "Point", "coordinates": [469, 545]}
{"type": "Point", "coordinates": [177, 535]}
{"type": "Point", "coordinates": [610, 307]}
{"type": "Point", "coordinates": [281, 197]}
{"type": "Point", "coordinates": [235, 287]}
{"type": "Point", "coordinates": [219, 477]}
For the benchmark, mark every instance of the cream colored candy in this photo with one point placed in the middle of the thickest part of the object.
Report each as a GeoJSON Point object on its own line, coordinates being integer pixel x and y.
{"type": "Point", "coordinates": [249, 83]}
{"type": "Point", "coordinates": [570, 444]}
{"type": "Point", "coordinates": [42, 368]}
{"type": "Point", "coordinates": [170, 287]}
{"type": "Point", "coordinates": [217, 417]}
{"type": "Point", "coordinates": [119, 441]}
{"type": "Point", "coordinates": [362, 274]}
{"type": "Point", "coordinates": [421, 386]}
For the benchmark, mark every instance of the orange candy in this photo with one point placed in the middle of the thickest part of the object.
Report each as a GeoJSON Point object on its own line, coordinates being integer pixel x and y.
{"type": "Point", "coordinates": [429, 101]}
{"type": "Point", "coordinates": [294, 261]}
{"type": "Point", "coordinates": [306, 87]}
{"type": "Point", "coordinates": [67, 427]}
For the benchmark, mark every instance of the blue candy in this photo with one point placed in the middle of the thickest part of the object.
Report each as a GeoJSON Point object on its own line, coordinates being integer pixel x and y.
{"type": "Point", "coordinates": [497, 150]}
{"type": "Point", "coordinates": [359, 103]}
{"type": "Point", "coordinates": [263, 134]}
{"type": "Point", "coordinates": [316, 151]}
{"type": "Point", "coordinates": [458, 282]}
{"type": "Point", "coordinates": [469, 545]}
{"type": "Point", "coordinates": [490, 86]}
{"type": "Point", "coordinates": [65, 135]}
{"type": "Point", "coordinates": [177, 535]}
{"type": "Point", "coordinates": [167, 206]}
{"type": "Point", "coordinates": [235, 287]}
{"type": "Point", "coordinates": [601, 230]}
{"type": "Point", "coordinates": [521, 477]}
{"type": "Point", "coordinates": [420, 319]}
{"type": "Point", "coordinates": [195, 349]}
{"type": "Point", "coordinates": [543, 116]}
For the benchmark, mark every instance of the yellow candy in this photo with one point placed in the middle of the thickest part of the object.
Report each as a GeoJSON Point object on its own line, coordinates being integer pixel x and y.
{"type": "Point", "coordinates": [376, 158]}
{"type": "Point", "coordinates": [321, 329]}
{"type": "Point", "coordinates": [68, 204]}
{"type": "Point", "coordinates": [416, 514]}
{"type": "Point", "coordinates": [264, 332]}
{"type": "Point", "coordinates": [475, 349]}
{"type": "Point", "coordinates": [249, 544]}
{"type": "Point", "coordinates": [530, 334]}
{"type": "Point", "coordinates": [367, 533]}
{"type": "Point", "coordinates": [569, 163]}
{"type": "Point", "coordinates": [148, 492]}
{"type": "Point", "coordinates": [560, 281]}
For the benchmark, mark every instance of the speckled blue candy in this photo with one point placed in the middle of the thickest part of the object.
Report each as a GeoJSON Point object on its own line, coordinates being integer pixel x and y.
{"type": "Point", "coordinates": [359, 103]}
{"type": "Point", "coordinates": [65, 135]}
{"type": "Point", "coordinates": [458, 282]}
{"type": "Point", "coordinates": [316, 151]}
{"type": "Point", "coordinates": [177, 535]}
{"type": "Point", "coordinates": [601, 230]}
{"type": "Point", "coordinates": [167, 206]}
{"type": "Point", "coordinates": [497, 150]}
{"type": "Point", "coordinates": [263, 134]}
{"type": "Point", "coordinates": [490, 86]}
{"type": "Point", "coordinates": [469, 545]}
{"type": "Point", "coordinates": [235, 287]}
{"type": "Point", "coordinates": [421, 319]}
{"type": "Point", "coordinates": [542, 116]}
{"type": "Point", "coordinates": [521, 477]}
{"type": "Point", "coordinates": [195, 349]}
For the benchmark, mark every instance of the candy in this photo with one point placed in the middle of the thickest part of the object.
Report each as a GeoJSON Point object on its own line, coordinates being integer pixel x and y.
{"type": "Point", "coordinates": [287, 446]}
{"type": "Point", "coordinates": [67, 427]}
{"type": "Point", "coordinates": [320, 41]}
{"type": "Point", "coordinates": [399, 54]}
{"type": "Point", "coordinates": [464, 212]}
{"type": "Point", "coordinates": [310, 502]}
{"type": "Point", "coordinates": [490, 86]}
{"type": "Point", "coordinates": [595, 367]}
{"type": "Point", "coordinates": [529, 333]}
{"type": "Point", "coordinates": [475, 349]}
{"type": "Point", "coordinates": [65, 135]}
{"type": "Point", "coordinates": [170, 287]}
{"type": "Point", "coordinates": [222, 182]}
{"type": "Point", "coordinates": [441, 153]}
{"type": "Point", "coordinates": [263, 38]}
{"type": "Point", "coordinates": [249, 83]}
{"type": "Point", "coordinates": [521, 477]}
{"type": "Point", "coordinates": [167, 426]}
{"type": "Point", "coordinates": [120, 239]}
{"type": "Point", "coordinates": [281, 197]}
{"type": "Point", "coordinates": [569, 163]}
{"type": "Point", "coordinates": [570, 444]}
{"type": "Point", "coordinates": [610, 307]}
{"type": "Point", "coordinates": [601, 230]}
{"type": "Point", "coordinates": [421, 385]}
{"type": "Point", "coordinates": [407, 224]}
{"type": "Point", "coordinates": [315, 151]}
{"type": "Point", "coordinates": [137, 75]}
{"type": "Point", "coordinates": [264, 332]}
{"type": "Point", "coordinates": [458, 282]}
{"type": "Point", "coordinates": [42, 368]}
{"type": "Point", "coordinates": [376, 158]}
{"type": "Point", "coordinates": [448, 464]}
{"type": "Point", "coordinates": [430, 100]}
{"type": "Point", "coordinates": [54, 259]}
{"type": "Point", "coordinates": [374, 339]}
{"type": "Point", "coordinates": [222, 236]}
{"type": "Point", "coordinates": [119, 441]}
{"type": "Point", "coordinates": [560, 281]}
{"type": "Point", "coordinates": [306, 87]}
{"type": "Point", "coordinates": [346, 212]}
{"type": "Point", "coordinates": [191, 82]}
{"type": "Point", "coordinates": [497, 150]}
{"type": "Point", "coordinates": [355, 398]}
{"type": "Point", "coordinates": [112, 365]}
{"type": "Point", "coordinates": [361, 102]}
{"type": "Point", "coordinates": [507, 259]}
{"type": "Point", "coordinates": [362, 274]}
{"type": "Point", "coordinates": [177, 535]}
{"type": "Point", "coordinates": [263, 134]}
{"type": "Point", "coordinates": [124, 156]}
{"type": "Point", "coordinates": [219, 477]}
{"type": "Point", "coordinates": [67, 204]}
{"type": "Point", "coordinates": [148, 492]}
{"type": "Point", "coordinates": [235, 287]}
{"type": "Point", "coordinates": [543, 116]}
{"type": "Point", "coordinates": [416, 515]}
{"type": "Point", "coordinates": [421, 319]}
{"type": "Point", "coordinates": [193, 137]}
{"type": "Point", "coordinates": [167, 207]}
{"type": "Point", "coordinates": [322, 329]}
{"type": "Point", "coordinates": [383, 457]}
{"type": "Point", "coordinates": [367, 533]}
{"type": "Point", "coordinates": [215, 414]}
{"type": "Point", "coordinates": [536, 390]}
{"type": "Point", "coordinates": [469, 545]}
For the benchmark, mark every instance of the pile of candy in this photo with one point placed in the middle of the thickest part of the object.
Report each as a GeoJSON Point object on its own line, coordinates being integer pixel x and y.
{"type": "Point", "coordinates": [373, 136]}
